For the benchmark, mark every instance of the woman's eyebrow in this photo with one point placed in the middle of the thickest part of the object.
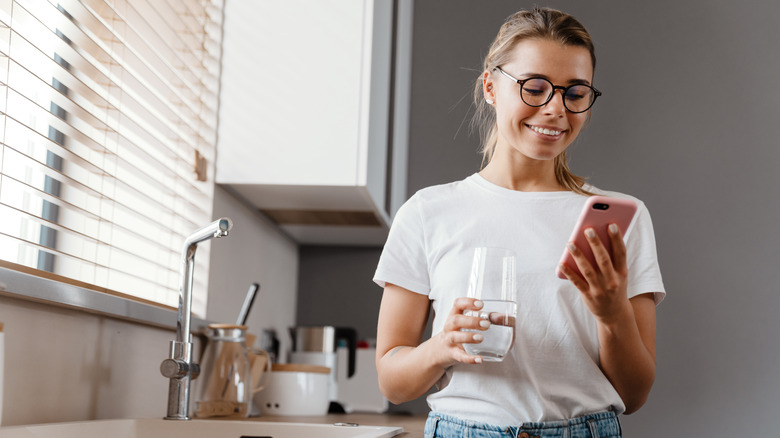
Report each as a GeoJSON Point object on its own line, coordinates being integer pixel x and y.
{"type": "Point", "coordinates": [579, 82]}
{"type": "Point", "coordinates": [543, 76]}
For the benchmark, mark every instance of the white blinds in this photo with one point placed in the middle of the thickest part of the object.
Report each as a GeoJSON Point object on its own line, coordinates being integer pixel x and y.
{"type": "Point", "coordinates": [104, 105]}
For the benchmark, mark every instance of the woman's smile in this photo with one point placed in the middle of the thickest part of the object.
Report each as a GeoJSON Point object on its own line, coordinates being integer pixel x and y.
{"type": "Point", "coordinates": [551, 133]}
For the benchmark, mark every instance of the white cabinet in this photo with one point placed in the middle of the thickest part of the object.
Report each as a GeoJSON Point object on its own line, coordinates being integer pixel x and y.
{"type": "Point", "coordinates": [314, 114]}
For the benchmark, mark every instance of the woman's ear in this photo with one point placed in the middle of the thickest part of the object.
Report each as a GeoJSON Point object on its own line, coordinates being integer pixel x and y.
{"type": "Point", "coordinates": [487, 88]}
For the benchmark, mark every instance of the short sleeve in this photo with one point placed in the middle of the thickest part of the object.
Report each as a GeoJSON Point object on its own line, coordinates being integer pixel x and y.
{"type": "Point", "coordinates": [403, 261]}
{"type": "Point", "coordinates": [644, 274]}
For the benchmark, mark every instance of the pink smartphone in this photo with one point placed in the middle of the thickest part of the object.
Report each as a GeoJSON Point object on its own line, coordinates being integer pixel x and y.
{"type": "Point", "coordinates": [598, 213]}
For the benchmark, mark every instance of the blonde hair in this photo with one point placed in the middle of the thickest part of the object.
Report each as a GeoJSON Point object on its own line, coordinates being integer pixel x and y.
{"type": "Point", "coordinates": [538, 23]}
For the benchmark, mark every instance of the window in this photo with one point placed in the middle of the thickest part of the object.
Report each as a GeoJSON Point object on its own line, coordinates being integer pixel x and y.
{"type": "Point", "coordinates": [108, 113]}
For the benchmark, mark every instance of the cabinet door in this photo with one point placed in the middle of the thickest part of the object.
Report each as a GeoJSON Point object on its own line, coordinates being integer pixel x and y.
{"type": "Point", "coordinates": [292, 95]}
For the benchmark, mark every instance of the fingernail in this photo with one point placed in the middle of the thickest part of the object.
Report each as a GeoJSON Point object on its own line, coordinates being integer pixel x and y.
{"type": "Point", "coordinates": [478, 304]}
{"type": "Point", "coordinates": [478, 337]}
{"type": "Point", "coordinates": [613, 228]}
{"type": "Point", "coordinates": [572, 247]}
{"type": "Point", "coordinates": [484, 323]}
{"type": "Point", "coordinates": [478, 360]}
{"type": "Point", "coordinates": [590, 233]}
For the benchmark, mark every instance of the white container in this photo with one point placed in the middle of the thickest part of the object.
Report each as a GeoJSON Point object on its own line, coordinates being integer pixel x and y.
{"type": "Point", "coordinates": [295, 390]}
{"type": "Point", "coordinates": [360, 393]}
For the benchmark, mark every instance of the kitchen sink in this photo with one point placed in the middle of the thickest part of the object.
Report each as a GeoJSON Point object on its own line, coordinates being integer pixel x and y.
{"type": "Point", "coordinates": [159, 428]}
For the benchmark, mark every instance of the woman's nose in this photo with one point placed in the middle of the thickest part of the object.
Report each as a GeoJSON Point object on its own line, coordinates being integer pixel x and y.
{"type": "Point", "coordinates": [555, 105]}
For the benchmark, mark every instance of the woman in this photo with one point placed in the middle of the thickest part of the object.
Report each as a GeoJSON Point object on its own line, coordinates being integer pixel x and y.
{"type": "Point", "coordinates": [585, 347]}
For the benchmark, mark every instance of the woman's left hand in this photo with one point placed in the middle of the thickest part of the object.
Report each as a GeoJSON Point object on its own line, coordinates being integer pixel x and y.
{"type": "Point", "coordinates": [603, 287]}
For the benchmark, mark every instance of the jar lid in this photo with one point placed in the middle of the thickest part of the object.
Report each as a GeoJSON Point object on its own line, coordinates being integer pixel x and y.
{"type": "Point", "coordinates": [300, 368]}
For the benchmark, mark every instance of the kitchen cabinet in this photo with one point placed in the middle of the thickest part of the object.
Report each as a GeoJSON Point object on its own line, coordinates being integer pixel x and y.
{"type": "Point", "coordinates": [314, 114]}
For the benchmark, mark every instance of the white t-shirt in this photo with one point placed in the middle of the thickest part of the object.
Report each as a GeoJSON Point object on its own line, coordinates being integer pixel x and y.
{"type": "Point", "coordinates": [552, 371]}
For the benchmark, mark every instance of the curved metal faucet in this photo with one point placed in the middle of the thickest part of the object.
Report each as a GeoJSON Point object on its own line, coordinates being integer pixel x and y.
{"type": "Point", "coordinates": [179, 367]}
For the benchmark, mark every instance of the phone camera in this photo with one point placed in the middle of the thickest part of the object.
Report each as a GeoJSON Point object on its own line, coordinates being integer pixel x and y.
{"type": "Point", "coordinates": [600, 206]}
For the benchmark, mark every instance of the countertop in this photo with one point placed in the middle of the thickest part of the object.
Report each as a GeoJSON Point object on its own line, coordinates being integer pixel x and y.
{"type": "Point", "coordinates": [413, 425]}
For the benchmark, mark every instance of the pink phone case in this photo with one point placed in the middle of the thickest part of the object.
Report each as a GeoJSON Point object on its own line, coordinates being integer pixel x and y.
{"type": "Point", "coordinates": [599, 212]}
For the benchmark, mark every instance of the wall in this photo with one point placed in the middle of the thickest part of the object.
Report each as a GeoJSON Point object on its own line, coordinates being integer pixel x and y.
{"type": "Point", "coordinates": [686, 123]}
{"type": "Point", "coordinates": [255, 252]}
{"type": "Point", "coordinates": [325, 282]}
{"type": "Point", "coordinates": [68, 365]}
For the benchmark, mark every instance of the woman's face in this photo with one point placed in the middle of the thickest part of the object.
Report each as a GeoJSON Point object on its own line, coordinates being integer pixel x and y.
{"type": "Point", "coordinates": [537, 133]}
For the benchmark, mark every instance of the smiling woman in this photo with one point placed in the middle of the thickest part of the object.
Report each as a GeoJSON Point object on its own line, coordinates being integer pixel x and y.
{"type": "Point", "coordinates": [584, 346]}
{"type": "Point", "coordinates": [109, 115]}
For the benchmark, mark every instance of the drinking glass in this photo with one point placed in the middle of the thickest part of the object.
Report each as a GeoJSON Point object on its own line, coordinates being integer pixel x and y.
{"type": "Point", "coordinates": [493, 281]}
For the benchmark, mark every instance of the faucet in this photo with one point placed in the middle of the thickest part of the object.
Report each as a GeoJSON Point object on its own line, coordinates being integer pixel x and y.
{"type": "Point", "coordinates": [179, 367]}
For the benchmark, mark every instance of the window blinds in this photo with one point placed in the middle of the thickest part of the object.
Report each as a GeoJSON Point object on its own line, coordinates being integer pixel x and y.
{"type": "Point", "coordinates": [104, 107]}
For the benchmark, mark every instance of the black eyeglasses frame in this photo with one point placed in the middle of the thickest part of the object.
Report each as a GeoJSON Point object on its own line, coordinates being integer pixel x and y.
{"type": "Point", "coordinates": [596, 93]}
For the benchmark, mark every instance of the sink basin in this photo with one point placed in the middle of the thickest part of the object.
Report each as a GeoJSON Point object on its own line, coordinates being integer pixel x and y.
{"type": "Point", "coordinates": [159, 428]}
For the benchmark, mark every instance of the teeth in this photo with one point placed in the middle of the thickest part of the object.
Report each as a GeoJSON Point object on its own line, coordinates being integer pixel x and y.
{"type": "Point", "coordinates": [545, 131]}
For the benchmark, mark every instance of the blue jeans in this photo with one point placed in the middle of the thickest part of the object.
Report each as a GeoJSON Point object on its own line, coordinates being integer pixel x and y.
{"type": "Point", "coordinates": [599, 425]}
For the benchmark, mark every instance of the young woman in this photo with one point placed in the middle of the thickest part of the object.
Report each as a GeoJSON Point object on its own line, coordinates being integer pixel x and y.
{"type": "Point", "coordinates": [585, 347]}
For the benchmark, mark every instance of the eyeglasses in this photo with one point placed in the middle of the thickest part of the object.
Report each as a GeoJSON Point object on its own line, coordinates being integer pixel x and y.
{"type": "Point", "coordinates": [537, 92]}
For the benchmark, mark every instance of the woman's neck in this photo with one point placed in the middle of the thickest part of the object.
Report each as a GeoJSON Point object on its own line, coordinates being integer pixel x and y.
{"type": "Point", "coordinates": [526, 176]}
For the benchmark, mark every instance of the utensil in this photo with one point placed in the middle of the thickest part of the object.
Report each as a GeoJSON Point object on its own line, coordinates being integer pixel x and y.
{"type": "Point", "coordinates": [247, 306]}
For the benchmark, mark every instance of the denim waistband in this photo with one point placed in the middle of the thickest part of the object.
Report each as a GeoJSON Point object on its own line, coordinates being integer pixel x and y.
{"type": "Point", "coordinates": [597, 425]}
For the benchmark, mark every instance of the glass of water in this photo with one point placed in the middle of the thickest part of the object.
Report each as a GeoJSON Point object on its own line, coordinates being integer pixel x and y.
{"type": "Point", "coordinates": [493, 281]}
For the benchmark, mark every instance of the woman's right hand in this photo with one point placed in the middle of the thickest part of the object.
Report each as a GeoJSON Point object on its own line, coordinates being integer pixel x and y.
{"type": "Point", "coordinates": [452, 337]}
{"type": "Point", "coordinates": [409, 366]}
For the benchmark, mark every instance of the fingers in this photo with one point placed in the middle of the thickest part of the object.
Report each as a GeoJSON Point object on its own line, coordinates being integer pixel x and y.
{"type": "Point", "coordinates": [463, 304]}
{"type": "Point", "coordinates": [600, 253]}
{"type": "Point", "coordinates": [589, 275]}
{"type": "Point", "coordinates": [618, 248]}
{"type": "Point", "coordinates": [463, 357]}
{"type": "Point", "coordinates": [456, 338]}
{"type": "Point", "coordinates": [587, 271]}
{"type": "Point", "coordinates": [500, 318]}
{"type": "Point", "coordinates": [465, 314]}
{"type": "Point", "coordinates": [607, 266]}
{"type": "Point", "coordinates": [464, 326]}
{"type": "Point", "coordinates": [575, 278]}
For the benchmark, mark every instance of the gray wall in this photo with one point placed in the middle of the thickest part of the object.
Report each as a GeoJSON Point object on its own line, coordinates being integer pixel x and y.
{"type": "Point", "coordinates": [688, 123]}
{"type": "Point", "coordinates": [336, 288]}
